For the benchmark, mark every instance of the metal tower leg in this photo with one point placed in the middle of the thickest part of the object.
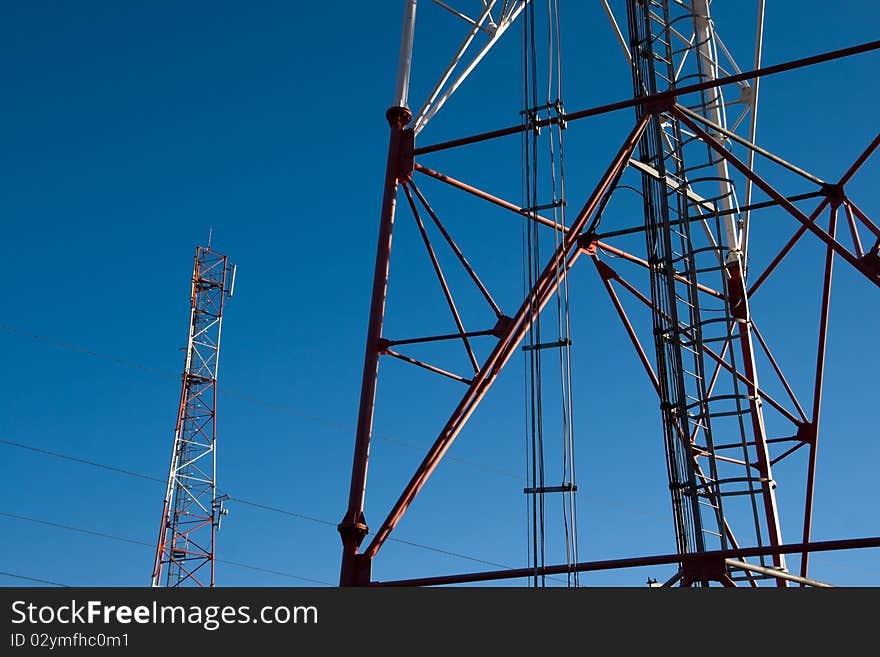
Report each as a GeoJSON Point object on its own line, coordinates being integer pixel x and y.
{"type": "Point", "coordinates": [353, 528]}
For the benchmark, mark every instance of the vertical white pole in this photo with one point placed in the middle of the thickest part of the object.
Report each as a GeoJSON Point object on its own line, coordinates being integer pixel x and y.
{"type": "Point", "coordinates": [706, 52]}
{"type": "Point", "coordinates": [404, 62]}
{"type": "Point", "coordinates": [753, 129]}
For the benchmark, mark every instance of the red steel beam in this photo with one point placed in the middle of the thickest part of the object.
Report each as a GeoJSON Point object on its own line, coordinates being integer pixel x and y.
{"type": "Point", "coordinates": [714, 356]}
{"type": "Point", "coordinates": [644, 263]}
{"type": "Point", "coordinates": [507, 205]}
{"type": "Point", "coordinates": [447, 293]}
{"type": "Point", "coordinates": [639, 562]}
{"type": "Point", "coordinates": [663, 96]}
{"type": "Point", "coordinates": [458, 253]}
{"type": "Point", "coordinates": [778, 371]}
{"type": "Point", "coordinates": [764, 463]}
{"type": "Point", "coordinates": [787, 452]}
{"type": "Point", "coordinates": [762, 184]}
{"type": "Point", "coordinates": [603, 235]}
{"type": "Point", "coordinates": [867, 222]}
{"type": "Point", "coordinates": [853, 230]}
{"type": "Point", "coordinates": [437, 338]}
{"type": "Point", "coordinates": [784, 251]}
{"type": "Point", "coordinates": [859, 161]}
{"type": "Point", "coordinates": [606, 273]}
{"type": "Point", "coordinates": [479, 193]}
{"type": "Point", "coordinates": [856, 244]}
{"type": "Point", "coordinates": [565, 255]}
{"type": "Point", "coordinates": [753, 147]}
{"type": "Point", "coordinates": [739, 307]}
{"type": "Point", "coordinates": [817, 390]}
{"type": "Point", "coordinates": [353, 527]}
{"type": "Point", "coordinates": [430, 368]}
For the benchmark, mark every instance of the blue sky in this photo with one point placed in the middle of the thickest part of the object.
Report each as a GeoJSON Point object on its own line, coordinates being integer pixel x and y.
{"type": "Point", "coordinates": [130, 129]}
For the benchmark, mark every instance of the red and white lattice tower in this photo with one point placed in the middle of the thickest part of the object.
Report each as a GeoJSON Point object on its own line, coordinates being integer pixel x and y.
{"type": "Point", "coordinates": [192, 509]}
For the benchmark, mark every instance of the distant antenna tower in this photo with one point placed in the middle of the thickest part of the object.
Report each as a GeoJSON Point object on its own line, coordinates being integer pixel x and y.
{"type": "Point", "coordinates": [192, 509]}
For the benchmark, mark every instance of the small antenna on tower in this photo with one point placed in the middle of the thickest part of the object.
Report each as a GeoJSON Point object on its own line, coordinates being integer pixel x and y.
{"type": "Point", "coordinates": [210, 235]}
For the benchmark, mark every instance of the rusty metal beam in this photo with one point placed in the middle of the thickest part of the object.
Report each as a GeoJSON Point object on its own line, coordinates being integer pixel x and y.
{"type": "Point", "coordinates": [660, 97]}
{"type": "Point", "coordinates": [639, 562]}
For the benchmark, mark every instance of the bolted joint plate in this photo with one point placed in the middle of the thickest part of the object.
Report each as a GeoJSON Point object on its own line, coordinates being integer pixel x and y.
{"type": "Point", "coordinates": [871, 263]}
{"type": "Point", "coordinates": [703, 570]}
{"type": "Point", "coordinates": [587, 243]}
{"type": "Point", "coordinates": [403, 142]}
{"type": "Point", "coordinates": [406, 155]}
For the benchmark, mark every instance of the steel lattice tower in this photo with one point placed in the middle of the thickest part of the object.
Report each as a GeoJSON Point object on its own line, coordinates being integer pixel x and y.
{"type": "Point", "coordinates": [192, 509]}
{"type": "Point", "coordinates": [723, 429]}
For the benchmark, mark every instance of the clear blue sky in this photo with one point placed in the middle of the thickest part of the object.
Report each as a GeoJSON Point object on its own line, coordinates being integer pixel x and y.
{"type": "Point", "coordinates": [129, 129]}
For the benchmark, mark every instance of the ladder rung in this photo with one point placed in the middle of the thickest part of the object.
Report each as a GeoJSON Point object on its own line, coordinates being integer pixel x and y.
{"type": "Point", "coordinates": [546, 206]}
{"type": "Point", "coordinates": [564, 488]}
{"type": "Point", "coordinates": [547, 345]}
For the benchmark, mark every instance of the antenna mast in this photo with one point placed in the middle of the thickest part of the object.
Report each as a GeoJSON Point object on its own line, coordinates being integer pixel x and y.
{"type": "Point", "coordinates": [192, 509]}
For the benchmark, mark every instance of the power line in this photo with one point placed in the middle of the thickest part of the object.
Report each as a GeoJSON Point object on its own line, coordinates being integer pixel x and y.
{"type": "Point", "coordinates": [381, 437]}
{"type": "Point", "coordinates": [258, 505]}
{"type": "Point", "coordinates": [132, 541]}
{"type": "Point", "coordinates": [259, 402]}
{"type": "Point", "coordinates": [33, 579]}
{"type": "Point", "coordinates": [251, 503]}
{"type": "Point", "coordinates": [244, 397]}
{"type": "Point", "coordinates": [395, 540]}
{"type": "Point", "coordinates": [286, 409]}
{"type": "Point", "coordinates": [453, 554]}
{"type": "Point", "coordinates": [83, 350]}
{"type": "Point", "coordinates": [76, 459]}
{"type": "Point", "coordinates": [274, 572]}
{"type": "Point", "coordinates": [71, 528]}
{"type": "Point", "coordinates": [285, 512]}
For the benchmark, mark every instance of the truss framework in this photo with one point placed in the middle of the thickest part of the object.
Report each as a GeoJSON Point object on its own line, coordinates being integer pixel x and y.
{"type": "Point", "coordinates": [858, 246]}
{"type": "Point", "coordinates": [192, 509]}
